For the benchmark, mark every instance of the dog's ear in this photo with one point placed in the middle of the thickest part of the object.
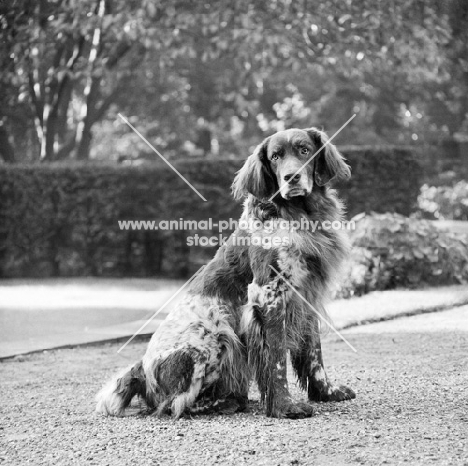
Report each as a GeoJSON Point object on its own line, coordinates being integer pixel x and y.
{"type": "Point", "coordinates": [329, 163]}
{"type": "Point", "coordinates": [255, 177]}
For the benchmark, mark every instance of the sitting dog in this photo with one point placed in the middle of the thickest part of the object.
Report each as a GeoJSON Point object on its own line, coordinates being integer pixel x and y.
{"type": "Point", "coordinates": [250, 305]}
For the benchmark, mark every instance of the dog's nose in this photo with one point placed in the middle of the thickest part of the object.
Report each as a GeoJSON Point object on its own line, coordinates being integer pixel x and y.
{"type": "Point", "coordinates": [292, 178]}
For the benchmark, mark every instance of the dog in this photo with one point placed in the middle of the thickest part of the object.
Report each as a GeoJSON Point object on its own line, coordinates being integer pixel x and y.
{"type": "Point", "coordinates": [260, 297]}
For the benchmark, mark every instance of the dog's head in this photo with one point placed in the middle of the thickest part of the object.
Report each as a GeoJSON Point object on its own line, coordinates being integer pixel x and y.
{"type": "Point", "coordinates": [281, 163]}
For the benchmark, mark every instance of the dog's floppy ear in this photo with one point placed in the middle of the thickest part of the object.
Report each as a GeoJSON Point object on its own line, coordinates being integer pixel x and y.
{"type": "Point", "coordinates": [255, 177]}
{"type": "Point", "coordinates": [329, 163]}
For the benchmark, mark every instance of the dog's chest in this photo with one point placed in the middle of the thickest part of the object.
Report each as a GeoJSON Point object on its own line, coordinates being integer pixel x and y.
{"type": "Point", "coordinates": [293, 266]}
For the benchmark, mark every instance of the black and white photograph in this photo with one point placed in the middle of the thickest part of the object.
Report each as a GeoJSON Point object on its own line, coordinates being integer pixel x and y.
{"type": "Point", "coordinates": [234, 232]}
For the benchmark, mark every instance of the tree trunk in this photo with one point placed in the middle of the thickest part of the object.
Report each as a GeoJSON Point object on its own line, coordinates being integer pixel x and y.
{"type": "Point", "coordinates": [91, 91]}
{"type": "Point", "coordinates": [83, 132]}
{"type": "Point", "coordinates": [7, 153]}
{"type": "Point", "coordinates": [84, 143]}
{"type": "Point", "coordinates": [62, 113]}
{"type": "Point", "coordinates": [50, 134]}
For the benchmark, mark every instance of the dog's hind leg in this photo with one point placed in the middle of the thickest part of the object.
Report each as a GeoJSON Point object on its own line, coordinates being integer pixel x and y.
{"type": "Point", "coordinates": [118, 393]}
{"type": "Point", "coordinates": [227, 383]}
{"type": "Point", "coordinates": [207, 353]}
{"type": "Point", "coordinates": [308, 365]}
{"type": "Point", "coordinates": [175, 379]}
{"type": "Point", "coordinates": [222, 400]}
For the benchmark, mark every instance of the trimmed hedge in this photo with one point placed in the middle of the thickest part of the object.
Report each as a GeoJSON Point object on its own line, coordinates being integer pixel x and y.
{"type": "Point", "coordinates": [383, 179]}
{"type": "Point", "coordinates": [62, 220]}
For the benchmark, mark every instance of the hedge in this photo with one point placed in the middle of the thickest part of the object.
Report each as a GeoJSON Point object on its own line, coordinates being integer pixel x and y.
{"type": "Point", "coordinates": [62, 220]}
{"type": "Point", "coordinates": [383, 179]}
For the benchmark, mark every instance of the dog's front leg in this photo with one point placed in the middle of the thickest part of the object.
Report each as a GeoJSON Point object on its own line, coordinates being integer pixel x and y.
{"type": "Point", "coordinates": [308, 364]}
{"type": "Point", "coordinates": [266, 341]}
{"type": "Point", "coordinates": [275, 384]}
{"type": "Point", "coordinates": [319, 386]}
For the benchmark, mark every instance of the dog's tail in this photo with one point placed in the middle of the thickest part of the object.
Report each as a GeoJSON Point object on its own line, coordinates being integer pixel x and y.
{"type": "Point", "coordinates": [117, 394]}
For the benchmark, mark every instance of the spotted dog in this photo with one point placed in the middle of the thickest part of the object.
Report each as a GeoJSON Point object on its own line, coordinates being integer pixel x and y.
{"type": "Point", "coordinates": [240, 316]}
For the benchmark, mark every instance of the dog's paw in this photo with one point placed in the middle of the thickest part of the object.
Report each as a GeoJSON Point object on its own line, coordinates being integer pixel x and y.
{"type": "Point", "coordinates": [293, 410]}
{"type": "Point", "coordinates": [299, 410]}
{"type": "Point", "coordinates": [332, 393]}
{"type": "Point", "coordinates": [228, 405]}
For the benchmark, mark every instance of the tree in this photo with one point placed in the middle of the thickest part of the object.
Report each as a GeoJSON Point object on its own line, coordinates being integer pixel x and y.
{"type": "Point", "coordinates": [64, 61]}
{"type": "Point", "coordinates": [457, 53]}
{"type": "Point", "coordinates": [224, 72]}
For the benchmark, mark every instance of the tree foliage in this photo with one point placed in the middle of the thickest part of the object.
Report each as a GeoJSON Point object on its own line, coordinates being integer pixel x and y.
{"type": "Point", "coordinates": [199, 77]}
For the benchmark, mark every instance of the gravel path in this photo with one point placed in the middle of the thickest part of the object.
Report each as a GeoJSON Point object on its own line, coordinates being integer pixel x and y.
{"type": "Point", "coordinates": [411, 408]}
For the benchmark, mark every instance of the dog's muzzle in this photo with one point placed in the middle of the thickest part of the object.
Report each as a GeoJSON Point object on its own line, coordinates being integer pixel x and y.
{"type": "Point", "coordinates": [295, 184]}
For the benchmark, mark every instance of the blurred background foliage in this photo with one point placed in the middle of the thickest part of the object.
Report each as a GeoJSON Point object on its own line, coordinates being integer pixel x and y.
{"type": "Point", "coordinates": [392, 251]}
{"type": "Point", "coordinates": [210, 78]}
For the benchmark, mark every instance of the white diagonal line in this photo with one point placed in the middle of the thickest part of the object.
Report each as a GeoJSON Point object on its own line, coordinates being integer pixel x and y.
{"type": "Point", "coordinates": [161, 308]}
{"type": "Point", "coordinates": [313, 308]}
{"type": "Point", "coordinates": [313, 156]}
{"type": "Point", "coordinates": [158, 153]}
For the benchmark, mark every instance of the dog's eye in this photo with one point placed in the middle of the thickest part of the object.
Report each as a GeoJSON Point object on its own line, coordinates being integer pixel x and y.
{"type": "Point", "coordinates": [304, 151]}
{"type": "Point", "coordinates": [274, 157]}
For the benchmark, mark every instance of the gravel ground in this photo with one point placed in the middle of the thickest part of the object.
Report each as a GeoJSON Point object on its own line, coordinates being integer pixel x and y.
{"type": "Point", "coordinates": [411, 408]}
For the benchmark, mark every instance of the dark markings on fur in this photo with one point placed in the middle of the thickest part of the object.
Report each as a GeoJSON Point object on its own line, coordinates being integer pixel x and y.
{"type": "Point", "coordinates": [275, 392]}
{"type": "Point", "coordinates": [218, 398]}
{"type": "Point", "coordinates": [174, 373]}
{"type": "Point", "coordinates": [299, 363]}
{"type": "Point", "coordinates": [260, 261]}
{"type": "Point", "coordinates": [227, 276]}
{"type": "Point", "coordinates": [198, 327]}
{"type": "Point", "coordinates": [265, 210]}
{"type": "Point", "coordinates": [257, 349]}
{"type": "Point", "coordinates": [233, 368]}
{"type": "Point", "coordinates": [316, 268]}
{"type": "Point", "coordinates": [283, 322]}
{"type": "Point", "coordinates": [311, 375]}
{"type": "Point", "coordinates": [276, 389]}
{"type": "Point", "coordinates": [131, 384]}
